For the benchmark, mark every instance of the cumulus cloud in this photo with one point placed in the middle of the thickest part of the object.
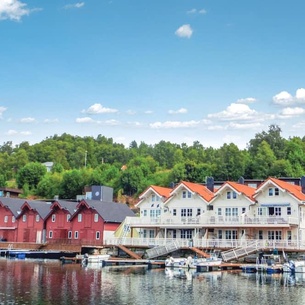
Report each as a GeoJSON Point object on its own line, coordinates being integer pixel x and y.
{"type": "Point", "coordinates": [185, 31]}
{"type": "Point", "coordinates": [14, 10]}
{"type": "Point", "coordinates": [235, 112]}
{"type": "Point", "coordinates": [247, 100]}
{"type": "Point", "coordinates": [292, 112]}
{"type": "Point", "coordinates": [194, 11]}
{"type": "Point", "coordinates": [179, 111]}
{"type": "Point", "coordinates": [84, 120]}
{"type": "Point", "coordinates": [148, 112]}
{"type": "Point", "coordinates": [98, 109]}
{"type": "Point", "coordinates": [25, 133]}
{"type": "Point", "coordinates": [50, 121]}
{"type": "Point", "coordinates": [74, 5]}
{"type": "Point", "coordinates": [174, 124]}
{"type": "Point", "coordinates": [131, 112]}
{"type": "Point", "coordinates": [12, 132]}
{"type": "Point", "coordinates": [27, 120]}
{"type": "Point", "coordinates": [2, 109]}
{"type": "Point", "coordinates": [202, 11]}
{"type": "Point", "coordinates": [284, 98]}
{"type": "Point", "coordinates": [233, 125]}
{"type": "Point", "coordinates": [112, 122]}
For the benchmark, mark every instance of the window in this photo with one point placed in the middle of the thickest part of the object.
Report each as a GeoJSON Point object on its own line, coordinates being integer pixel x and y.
{"type": "Point", "coordinates": [144, 212]}
{"type": "Point", "coordinates": [68, 217]}
{"type": "Point", "coordinates": [37, 218]}
{"type": "Point", "coordinates": [219, 234]}
{"type": "Point", "coordinates": [53, 217]}
{"type": "Point", "coordinates": [186, 194]}
{"type": "Point", "coordinates": [275, 235]}
{"type": "Point", "coordinates": [231, 195]}
{"type": "Point", "coordinates": [277, 211]}
{"type": "Point", "coordinates": [95, 217]}
{"type": "Point", "coordinates": [79, 217]}
{"type": "Point", "coordinates": [6, 218]}
{"type": "Point", "coordinates": [97, 235]}
{"type": "Point", "coordinates": [186, 234]}
{"type": "Point", "coordinates": [50, 234]}
{"type": "Point", "coordinates": [243, 210]}
{"type": "Point", "coordinates": [151, 234]}
{"type": "Point", "coordinates": [228, 212]}
{"type": "Point", "coordinates": [24, 218]}
{"type": "Point", "coordinates": [174, 233]}
{"type": "Point", "coordinates": [273, 191]}
{"type": "Point", "coordinates": [234, 195]}
{"type": "Point", "coordinates": [219, 211]}
{"type": "Point", "coordinates": [210, 207]}
{"type": "Point", "coordinates": [186, 212]}
{"type": "Point", "coordinates": [288, 210]}
{"type": "Point", "coordinates": [13, 219]}
{"type": "Point", "coordinates": [260, 234]}
{"type": "Point", "coordinates": [69, 234]}
{"type": "Point", "coordinates": [174, 212]}
{"type": "Point", "coordinates": [76, 235]}
{"type": "Point", "coordinates": [153, 198]}
{"type": "Point", "coordinates": [234, 211]}
{"type": "Point", "coordinates": [231, 234]}
{"type": "Point", "coordinates": [198, 212]}
{"type": "Point", "coordinates": [228, 195]}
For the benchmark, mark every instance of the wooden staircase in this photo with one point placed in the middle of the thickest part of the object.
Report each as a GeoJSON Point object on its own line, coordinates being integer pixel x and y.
{"type": "Point", "coordinates": [200, 252]}
{"type": "Point", "coordinates": [162, 250]}
{"type": "Point", "coordinates": [242, 251]}
{"type": "Point", "coordinates": [129, 252]}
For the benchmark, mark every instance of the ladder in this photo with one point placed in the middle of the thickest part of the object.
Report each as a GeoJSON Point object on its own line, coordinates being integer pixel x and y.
{"type": "Point", "coordinates": [161, 250]}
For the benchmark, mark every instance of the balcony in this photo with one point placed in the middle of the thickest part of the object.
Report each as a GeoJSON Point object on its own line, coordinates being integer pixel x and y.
{"type": "Point", "coordinates": [214, 221]}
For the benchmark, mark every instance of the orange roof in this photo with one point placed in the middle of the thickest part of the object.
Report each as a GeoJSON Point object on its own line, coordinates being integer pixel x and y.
{"type": "Point", "coordinates": [200, 189]}
{"type": "Point", "coordinates": [162, 191]}
{"type": "Point", "coordinates": [293, 189]}
{"type": "Point", "coordinates": [242, 188]}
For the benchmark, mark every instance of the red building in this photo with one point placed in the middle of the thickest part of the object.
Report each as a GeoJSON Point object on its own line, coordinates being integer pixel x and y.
{"type": "Point", "coordinates": [31, 221]}
{"type": "Point", "coordinates": [58, 225]}
{"type": "Point", "coordinates": [95, 220]}
{"type": "Point", "coordinates": [10, 209]}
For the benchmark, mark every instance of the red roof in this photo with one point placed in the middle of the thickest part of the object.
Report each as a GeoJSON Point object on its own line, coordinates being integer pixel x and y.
{"type": "Point", "coordinates": [200, 189]}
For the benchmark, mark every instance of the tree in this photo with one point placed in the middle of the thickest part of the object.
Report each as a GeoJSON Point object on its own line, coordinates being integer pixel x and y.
{"type": "Point", "coordinates": [72, 184]}
{"type": "Point", "coordinates": [49, 186]}
{"type": "Point", "coordinates": [31, 174]}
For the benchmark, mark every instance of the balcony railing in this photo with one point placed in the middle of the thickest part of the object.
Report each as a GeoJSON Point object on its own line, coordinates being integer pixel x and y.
{"type": "Point", "coordinates": [215, 221]}
{"type": "Point", "coordinates": [207, 243]}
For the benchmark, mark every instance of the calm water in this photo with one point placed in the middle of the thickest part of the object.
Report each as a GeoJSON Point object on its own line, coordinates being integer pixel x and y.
{"type": "Point", "coordinates": [49, 282]}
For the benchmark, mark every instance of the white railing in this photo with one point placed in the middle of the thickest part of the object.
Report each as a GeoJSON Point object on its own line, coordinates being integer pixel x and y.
{"type": "Point", "coordinates": [214, 220]}
{"type": "Point", "coordinates": [206, 243]}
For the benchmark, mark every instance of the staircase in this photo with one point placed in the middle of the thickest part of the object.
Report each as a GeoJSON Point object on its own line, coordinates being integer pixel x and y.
{"type": "Point", "coordinates": [129, 252]}
{"type": "Point", "coordinates": [241, 251]}
{"type": "Point", "coordinates": [162, 250]}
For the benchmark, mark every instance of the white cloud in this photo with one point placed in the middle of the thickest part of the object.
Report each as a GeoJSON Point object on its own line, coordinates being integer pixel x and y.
{"type": "Point", "coordinates": [14, 10]}
{"type": "Point", "coordinates": [131, 112]}
{"type": "Point", "coordinates": [98, 108]}
{"type": "Point", "coordinates": [27, 120]}
{"type": "Point", "coordinates": [283, 98]}
{"type": "Point", "coordinates": [300, 94]}
{"type": "Point", "coordinates": [247, 100]}
{"type": "Point", "coordinates": [25, 133]}
{"type": "Point", "coordinates": [202, 11]}
{"type": "Point", "coordinates": [235, 112]}
{"type": "Point", "coordinates": [179, 111]}
{"type": "Point", "coordinates": [233, 125]}
{"type": "Point", "coordinates": [112, 122]}
{"type": "Point", "coordinates": [192, 11]}
{"type": "Point", "coordinates": [148, 112]}
{"type": "Point", "coordinates": [2, 109]}
{"type": "Point", "coordinates": [292, 112]}
{"type": "Point", "coordinates": [75, 5]}
{"type": "Point", "coordinates": [84, 120]}
{"type": "Point", "coordinates": [12, 132]}
{"type": "Point", "coordinates": [50, 121]}
{"type": "Point", "coordinates": [174, 124]}
{"type": "Point", "coordinates": [185, 31]}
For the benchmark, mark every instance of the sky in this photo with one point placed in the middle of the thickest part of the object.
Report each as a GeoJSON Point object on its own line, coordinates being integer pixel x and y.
{"type": "Point", "coordinates": [212, 71]}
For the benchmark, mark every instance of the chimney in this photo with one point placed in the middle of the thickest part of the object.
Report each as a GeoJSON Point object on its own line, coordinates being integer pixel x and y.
{"type": "Point", "coordinates": [210, 183]}
{"type": "Point", "coordinates": [241, 180]}
{"type": "Point", "coordinates": [303, 184]}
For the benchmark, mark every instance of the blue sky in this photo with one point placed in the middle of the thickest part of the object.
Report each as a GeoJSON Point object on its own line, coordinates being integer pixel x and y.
{"type": "Point", "coordinates": [214, 71]}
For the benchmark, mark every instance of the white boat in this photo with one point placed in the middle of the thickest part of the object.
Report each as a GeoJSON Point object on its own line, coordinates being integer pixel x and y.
{"type": "Point", "coordinates": [192, 263]}
{"type": "Point", "coordinates": [94, 258]}
{"type": "Point", "coordinates": [294, 266]}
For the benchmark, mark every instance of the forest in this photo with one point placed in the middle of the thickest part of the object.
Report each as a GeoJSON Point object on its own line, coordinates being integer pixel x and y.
{"type": "Point", "coordinates": [83, 161]}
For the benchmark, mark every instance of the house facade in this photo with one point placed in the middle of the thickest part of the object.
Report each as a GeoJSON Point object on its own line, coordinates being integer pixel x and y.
{"type": "Point", "coordinates": [271, 213]}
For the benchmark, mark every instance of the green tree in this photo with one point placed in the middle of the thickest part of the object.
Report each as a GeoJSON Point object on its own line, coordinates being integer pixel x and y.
{"type": "Point", "coordinates": [31, 174]}
{"type": "Point", "coordinates": [72, 184]}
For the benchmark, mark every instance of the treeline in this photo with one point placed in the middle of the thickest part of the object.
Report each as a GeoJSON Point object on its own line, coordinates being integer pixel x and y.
{"type": "Point", "coordinates": [81, 161]}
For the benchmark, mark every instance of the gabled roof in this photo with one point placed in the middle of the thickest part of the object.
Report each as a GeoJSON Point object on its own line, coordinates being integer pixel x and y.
{"type": "Point", "coordinates": [70, 206]}
{"type": "Point", "coordinates": [294, 190]}
{"type": "Point", "coordinates": [41, 207]}
{"type": "Point", "coordinates": [195, 188]}
{"type": "Point", "coordinates": [239, 188]}
{"type": "Point", "coordinates": [14, 204]}
{"type": "Point", "coordinates": [109, 211]}
{"type": "Point", "coordinates": [159, 190]}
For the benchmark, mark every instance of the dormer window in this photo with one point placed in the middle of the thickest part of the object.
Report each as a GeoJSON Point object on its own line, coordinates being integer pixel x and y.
{"type": "Point", "coordinates": [273, 191]}
{"type": "Point", "coordinates": [186, 194]}
{"type": "Point", "coordinates": [231, 195]}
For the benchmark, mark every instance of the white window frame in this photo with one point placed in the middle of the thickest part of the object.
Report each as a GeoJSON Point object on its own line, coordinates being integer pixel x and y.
{"type": "Point", "coordinates": [53, 217]}
{"type": "Point", "coordinates": [79, 217]}
{"type": "Point", "coordinates": [97, 235]}
{"type": "Point", "coordinates": [96, 217]}
{"type": "Point", "coordinates": [76, 235]}
{"type": "Point", "coordinates": [5, 218]}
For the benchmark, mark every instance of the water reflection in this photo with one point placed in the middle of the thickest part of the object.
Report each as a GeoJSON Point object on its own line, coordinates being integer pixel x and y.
{"type": "Point", "coordinates": [49, 282]}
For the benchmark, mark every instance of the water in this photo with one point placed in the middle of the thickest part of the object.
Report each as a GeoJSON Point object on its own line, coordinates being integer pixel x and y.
{"type": "Point", "coordinates": [49, 282]}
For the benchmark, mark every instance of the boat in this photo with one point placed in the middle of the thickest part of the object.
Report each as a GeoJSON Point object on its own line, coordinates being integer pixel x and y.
{"type": "Point", "coordinates": [37, 254]}
{"type": "Point", "coordinates": [94, 258]}
{"type": "Point", "coordinates": [294, 266]}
